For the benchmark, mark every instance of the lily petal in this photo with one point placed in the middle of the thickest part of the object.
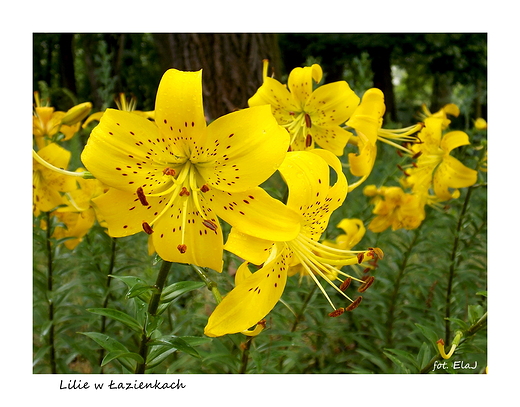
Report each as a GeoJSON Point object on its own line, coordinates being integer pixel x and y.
{"type": "Point", "coordinates": [300, 81]}
{"type": "Point", "coordinates": [250, 145]}
{"type": "Point", "coordinates": [247, 247]}
{"type": "Point", "coordinates": [256, 213]}
{"type": "Point", "coordinates": [332, 104]}
{"type": "Point", "coordinates": [252, 299]}
{"type": "Point", "coordinates": [454, 139]}
{"type": "Point", "coordinates": [451, 173]}
{"type": "Point", "coordinates": [275, 94]}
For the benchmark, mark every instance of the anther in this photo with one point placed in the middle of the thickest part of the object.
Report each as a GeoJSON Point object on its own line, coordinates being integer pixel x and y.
{"type": "Point", "coordinates": [182, 248]}
{"type": "Point", "coordinates": [377, 252]}
{"type": "Point", "coordinates": [147, 228]}
{"type": "Point", "coordinates": [344, 285]}
{"type": "Point", "coordinates": [355, 304]}
{"type": "Point", "coordinates": [368, 282]}
{"type": "Point", "coordinates": [142, 198]}
{"type": "Point", "coordinates": [417, 155]}
{"type": "Point", "coordinates": [308, 121]}
{"type": "Point", "coordinates": [360, 257]}
{"type": "Point", "coordinates": [337, 312]}
{"type": "Point", "coordinates": [169, 171]}
{"type": "Point", "coordinates": [308, 140]}
{"type": "Point", "coordinates": [209, 224]}
{"type": "Point", "coordinates": [204, 188]}
{"type": "Point", "coordinates": [184, 192]}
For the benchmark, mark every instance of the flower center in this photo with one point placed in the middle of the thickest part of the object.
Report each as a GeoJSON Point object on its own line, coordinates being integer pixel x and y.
{"type": "Point", "coordinates": [182, 186]}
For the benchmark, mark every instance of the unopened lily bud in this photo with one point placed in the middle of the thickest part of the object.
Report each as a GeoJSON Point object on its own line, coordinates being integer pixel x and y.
{"type": "Point", "coordinates": [76, 114]}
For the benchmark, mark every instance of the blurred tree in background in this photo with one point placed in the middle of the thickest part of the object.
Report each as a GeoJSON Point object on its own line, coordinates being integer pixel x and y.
{"type": "Point", "coordinates": [410, 69]}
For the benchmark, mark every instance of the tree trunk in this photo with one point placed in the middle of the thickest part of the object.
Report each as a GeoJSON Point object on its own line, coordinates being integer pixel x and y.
{"type": "Point", "coordinates": [441, 92]}
{"type": "Point", "coordinates": [68, 77]}
{"type": "Point", "coordinates": [382, 70]}
{"type": "Point", "coordinates": [231, 64]}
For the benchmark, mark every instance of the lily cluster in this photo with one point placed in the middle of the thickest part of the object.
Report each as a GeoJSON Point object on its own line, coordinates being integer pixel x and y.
{"type": "Point", "coordinates": [171, 175]}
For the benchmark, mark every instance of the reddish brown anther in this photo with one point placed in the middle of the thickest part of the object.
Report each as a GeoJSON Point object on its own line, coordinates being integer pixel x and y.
{"type": "Point", "coordinates": [355, 304]}
{"type": "Point", "coordinates": [360, 257]}
{"type": "Point", "coordinates": [169, 171]}
{"type": "Point", "coordinates": [308, 140]}
{"type": "Point", "coordinates": [209, 224]}
{"type": "Point", "coordinates": [308, 121]}
{"type": "Point", "coordinates": [337, 312]}
{"type": "Point", "coordinates": [182, 248]}
{"type": "Point", "coordinates": [142, 197]}
{"type": "Point", "coordinates": [204, 188]}
{"type": "Point", "coordinates": [368, 282]}
{"type": "Point", "coordinates": [147, 228]}
{"type": "Point", "coordinates": [184, 192]}
{"type": "Point", "coordinates": [344, 285]}
{"type": "Point", "coordinates": [377, 252]}
{"type": "Point", "coordinates": [417, 155]}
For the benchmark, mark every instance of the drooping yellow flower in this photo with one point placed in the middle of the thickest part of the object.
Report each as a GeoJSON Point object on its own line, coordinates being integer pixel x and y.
{"type": "Point", "coordinates": [310, 116]}
{"type": "Point", "coordinates": [310, 194]}
{"type": "Point", "coordinates": [435, 167]}
{"type": "Point", "coordinates": [77, 215]}
{"type": "Point", "coordinates": [395, 208]}
{"type": "Point", "coordinates": [174, 178]}
{"type": "Point", "coordinates": [367, 121]}
{"type": "Point", "coordinates": [353, 229]}
{"type": "Point", "coordinates": [48, 185]}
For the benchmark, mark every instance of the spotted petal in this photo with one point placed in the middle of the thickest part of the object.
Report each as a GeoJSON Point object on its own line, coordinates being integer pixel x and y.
{"type": "Point", "coordinates": [332, 104]}
{"type": "Point", "coordinates": [451, 173]}
{"type": "Point", "coordinates": [247, 146]}
{"type": "Point", "coordinates": [278, 96]}
{"type": "Point", "coordinates": [300, 81]}
{"type": "Point", "coordinates": [252, 299]}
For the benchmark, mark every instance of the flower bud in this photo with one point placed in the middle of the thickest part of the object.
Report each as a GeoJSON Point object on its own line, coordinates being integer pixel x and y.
{"type": "Point", "coordinates": [76, 114]}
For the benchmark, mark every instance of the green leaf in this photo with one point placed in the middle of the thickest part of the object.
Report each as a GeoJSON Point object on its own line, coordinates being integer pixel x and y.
{"type": "Point", "coordinates": [429, 334]}
{"type": "Point", "coordinates": [119, 316]}
{"type": "Point", "coordinates": [176, 289]}
{"type": "Point", "coordinates": [424, 355]}
{"type": "Point", "coordinates": [110, 345]}
{"type": "Point", "coordinates": [110, 356]}
{"type": "Point", "coordinates": [400, 364]}
{"type": "Point", "coordinates": [136, 282]}
{"type": "Point", "coordinates": [405, 356]}
{"type": "Point", "coordinates": [141, 290]}
{"type": "Point", "coordinates": [462, 324]}
{"type": "Point", "coordinates": [178, 343]}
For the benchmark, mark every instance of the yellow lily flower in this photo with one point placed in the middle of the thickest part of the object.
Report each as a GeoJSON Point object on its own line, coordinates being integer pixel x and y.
{"type": "Point", "coordinates": [394, 208]}
{"type": "Point", "coordinates": [48, 184]}
{"type": "Point", "coordinates": [310, 116]}
{"type": "Point", "coordinates": [435, 167]}
{"type": "Point", "coordinates": [46, 122]}
{"type": "Point", "coordinates": [77, 215]}
{"type": "Point", "coordinates": [353, 229]}
{"type": "Point", "coordinates": [310, 195]}
{"type": "Point", "coordinates": [367, 121]}
{"type": "Point", "coordinates": [174, 178]}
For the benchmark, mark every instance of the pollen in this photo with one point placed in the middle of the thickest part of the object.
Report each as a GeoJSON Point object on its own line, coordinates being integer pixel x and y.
{"type": "Point", "coordinates": [141, 196]}
{"type": "Point", "coordinates": [147, 228]}
{"type": "Point", "coordinates": [355, 304]}
{"type": "Point", "coordinates": [367, 283]}
{"type": "Point", "coordinates": [337, 313]}
{"type": "Point", "coordinates": [182, 248]}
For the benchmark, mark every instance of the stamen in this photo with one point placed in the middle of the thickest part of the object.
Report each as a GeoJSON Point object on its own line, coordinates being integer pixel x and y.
{"type": "Point", "coordinates": [169, 171]}
{"type": "Point", "coordinates": [142, 197]}
{"type": "Point", "coordinates": [337, 313]}
{"type": "Point", "coordinates": [209, 224]}
{"type": "Point", "coordinates": [344, 285]}
{"type": "Point", "coordinates": [360, 257]}
{"type": "Point", "coordinates": [308, 140]}
{"type": "Point", "coordinates": [184, 192]}
{"type": "Point", "coordinates": [182, 248]}
{"type": "Point", "coordinates": [354, 305]}
{"type": "Point", "coordinates": [368, 282]}
{"type": "Point", "coordinates": [308, 121]}
{"type": "Point", "coordinates": [204, 188]}
{"type": "Point", "coordinates": [147, 228]}
{"type": "Point", "coordinates": [377, 252]}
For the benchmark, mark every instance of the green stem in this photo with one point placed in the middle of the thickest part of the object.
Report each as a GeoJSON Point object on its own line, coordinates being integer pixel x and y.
{"type": "Point", "coordinates": [107, 295]}
{"type": "Point", "coordinates": [210, 284]}
{"type": "Point", "coordinates": [298, 317]}
{"type": "Point", "coordinates": [153, 306]}
{"type": "Point", "coordinates": [52, 355]}
{"type": "Point", "coordinates": [393, 299]}
{"type": "Point", "coordinates": [245, 355]}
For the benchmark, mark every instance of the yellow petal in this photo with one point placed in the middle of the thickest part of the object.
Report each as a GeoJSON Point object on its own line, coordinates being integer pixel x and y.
{"type": "Point", "coordinates": [256, 213]}
{"type": "Point", "coordinates": [276, 95]}
{"type": "Point", "coordinates": [123, 150]}
{"type": "Point", "coordinates": [367, 119]}
{"type": "Point", "coordinates": [451, 173]}
{"type": "Point", "coordinates": [331, 104]}
{"type": "Point", "coordinates": [247, 247]}
{"type": "Point", "coordinates": [179, 111]}
{"type": "Point", "coordinates": [361, 164]}
{"type": "Point", "coordinates": [454, 139]}
{"type": "Point", "coordinates": [333, 138]}
{"type": "Point", "coordinates": [245, 148]}
{"type": "Point", "coordinates": [251, 300]}
{"type": "Point", "coordinates": [300, 81]}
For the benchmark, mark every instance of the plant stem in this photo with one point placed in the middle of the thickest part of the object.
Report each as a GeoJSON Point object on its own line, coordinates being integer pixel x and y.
{"type": "Point", "coordinates": [298, 317]}
{"type": "Point", "coordinates": [210, 284]}
{"type": "Point", "coordinates": [453, 263]}
{"type": "Point", "coordinates": [52, 355]}
{"type": "Point", "coordinates": [393, 299]}
{"type": "Point", "coordinates": [153, 305]}
{"type": "Point", "coordinates": [105, 301]}
{"type": "Point", "coordinates": [245, 354]}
